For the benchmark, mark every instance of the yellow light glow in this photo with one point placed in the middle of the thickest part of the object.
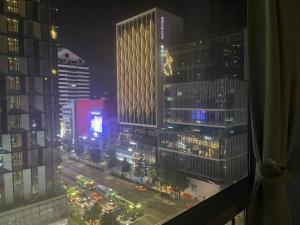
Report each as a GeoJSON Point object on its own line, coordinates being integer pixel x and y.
{"type": "Point", "coordinates": [53, 71]}
{"type": "Point", "coordinates": [53, 33]}
{"type": "Point", "coordinates": [167, 63]}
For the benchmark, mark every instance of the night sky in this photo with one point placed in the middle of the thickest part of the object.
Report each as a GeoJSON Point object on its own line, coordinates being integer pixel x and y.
{"type": "Point", "coordinates": [87, 27]}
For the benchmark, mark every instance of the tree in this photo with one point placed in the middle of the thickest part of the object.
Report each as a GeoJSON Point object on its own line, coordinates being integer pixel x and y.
{"type": "Point", "coordinates": [141, 167]}
{"type": "Point", "coordinates": [78, 148]}
{"type": "Point", "coordinates": [111, 158]}
{"type": "Point", "coordinates": [109, 219]}
{"type": "Point", "coordinates": [155, 174]}
{"type": "Point", "coordinates": [126, 167]}
{"type": "Point", "coordinates": [95, 156]}
{"type": "Point", "coordinates": [179, 181]}
{"type": "Point", "coordinates": [165, 179]}
{"type": "Point", "coordinates": [93, 213]}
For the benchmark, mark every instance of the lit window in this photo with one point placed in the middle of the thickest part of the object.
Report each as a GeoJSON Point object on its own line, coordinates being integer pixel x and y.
{"type": "Point", "coordinates": [14, 83]}
{"type": "Point", "coordinates": [14, 102]}
{"type": "Point", "coordinates": [13, 45]}
{"type": "Point", "coordinates": [12, 25]}
{"type": "Point", "coordinates": [53, 32]}
{"type": "Point", "coordinates": [12, 6]}
{"type": "Point", "coordinates": [16, 140]}
{"type": "Point", "coordinates": [17, 159]}
{"type": "Point", "coordinates": [13, 64]}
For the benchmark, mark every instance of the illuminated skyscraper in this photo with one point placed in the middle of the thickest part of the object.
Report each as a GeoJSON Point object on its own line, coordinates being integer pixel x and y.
{"type": "Point", "coordinates": [73, 83]}
{"type": "Point", "coordinates": [29, 182]}
{"type": "Point", "coordinates": [206, 110]}
{"type": "Point", "coordinates": [141, 43]}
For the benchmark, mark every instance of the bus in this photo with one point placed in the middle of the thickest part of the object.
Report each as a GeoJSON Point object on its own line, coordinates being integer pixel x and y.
{"type": "Point", "coordinates": [85, 182]}
{"type": "Point", "coordinates": [131, 207]}
{"type": "Point", "coordinates": [105, 191]}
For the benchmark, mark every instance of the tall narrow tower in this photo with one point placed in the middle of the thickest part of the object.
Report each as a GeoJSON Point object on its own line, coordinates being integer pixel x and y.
{"type": "Point", "coordinates": [29, 113]}
{"type": "Point", "coordinates": [141, 44]}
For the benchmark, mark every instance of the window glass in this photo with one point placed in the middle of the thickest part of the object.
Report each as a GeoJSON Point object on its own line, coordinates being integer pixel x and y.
{"type": "Point", "coordinates": [16, 140]}
{"type": "Point", "coordinates": [17, 160]}
{"type": "Point", "coordinates": [12, 25]}
{"type": "Point", "coordinates": [13, 64]}
{"type": "Point", "coordinates": [53, 32]}
{"type": "Point", "coordinates": [2, 193]}
{"type": "Point", "coordinates": [14, 83]}
{"type": "Point", "coordinates": [13, 45]}
{"type": "Point", "coordinates": [34, 182]}
{"type": "Point", "coordinates": [18, 183]}
{"type": "Point", "coordinates": [14, 102]}
{"type": "Point", "coordinates": [12, 6]}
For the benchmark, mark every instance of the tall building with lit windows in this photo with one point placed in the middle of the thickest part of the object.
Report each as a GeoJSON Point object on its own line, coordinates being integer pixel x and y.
{"type": "Point", "coordinates": [206, 110]}
{"type": "Point", "coordinates": [141, 43]}
{"type": "Point", "coordinates": [29, 113]}
{"type": "Point", "coordinates": [73, 83]}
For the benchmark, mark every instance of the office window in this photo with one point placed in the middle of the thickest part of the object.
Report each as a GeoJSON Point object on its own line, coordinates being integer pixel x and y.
{"type": "Point", "coordinates": [12, 25]}
{"type": "Point", "coordinates": [13, 64]}
{"type": "Point", "coordinates": [2, 192]}
{"type": "Point", "coordinates": [16, 140]}
{"type": "Point", "coordinates": [53, 32]}
{"type": "Point", "coordinates": [13, 45]}
{"type": "Point", "coordinates": [18, 185]}
{"type": "Point", "coordinates": [12, 6]}
{"type": "Point", "coordinates": [14, 122]}
{"type": "Point", "coordinates": [34, 182]}
{"type": "Point", "coordinates": [14, 83]}
{"type": "Point", "coordinates": [17, 160]}
{"type": "Point", "coordinates": [14, 102]}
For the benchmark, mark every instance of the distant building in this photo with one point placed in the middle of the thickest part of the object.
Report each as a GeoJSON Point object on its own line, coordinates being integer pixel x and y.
{"type": "Point", "coordinates": [141, 42]}
{"type": "Point", "coordinates": [73, 83]}
{"type": "Point", "coordinates": [206, 110]}
{"type": "Point", "coordinates": [29, 181]}
{"type": "Point", "coordinates": [93, 121]}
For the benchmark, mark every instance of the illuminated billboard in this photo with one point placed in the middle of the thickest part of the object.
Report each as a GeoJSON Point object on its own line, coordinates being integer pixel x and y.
{"type": "Point", "coordinates": [95, 123]}
{"type": "Point", "coordinates": [89, 117]}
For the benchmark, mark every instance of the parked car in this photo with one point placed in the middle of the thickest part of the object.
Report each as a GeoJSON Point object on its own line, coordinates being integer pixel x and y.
{"type": "Point", "coordinates": [141, 188]}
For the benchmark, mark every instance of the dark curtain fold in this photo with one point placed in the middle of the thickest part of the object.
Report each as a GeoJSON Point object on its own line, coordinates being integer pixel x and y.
{"type": "Point", "coordinates": [273, 33]}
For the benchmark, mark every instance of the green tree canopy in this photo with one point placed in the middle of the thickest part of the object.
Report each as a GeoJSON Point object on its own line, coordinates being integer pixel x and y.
{"type": "Point", "coordinates": [109, 219]}
{"type": "Point", "coordinates": [126, 166]}
{"type": "Point", "coordinates": [93, 213]}
{"type": "Point", "coordinates": [111, 158]}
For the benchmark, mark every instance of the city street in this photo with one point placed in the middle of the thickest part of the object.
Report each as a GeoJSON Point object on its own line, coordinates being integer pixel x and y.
{"type": "Point", "coordinates": [157, 210]}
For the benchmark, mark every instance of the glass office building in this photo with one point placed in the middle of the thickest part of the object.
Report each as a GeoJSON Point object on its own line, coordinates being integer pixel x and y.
{"type": "Point", "coordinates": [206, 110]}
{"type": "Point", "coordinates": [29, 113]}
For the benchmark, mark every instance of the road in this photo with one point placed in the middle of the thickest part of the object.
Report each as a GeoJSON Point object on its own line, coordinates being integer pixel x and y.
{"type": "Point", "coordinates": [157, 209]}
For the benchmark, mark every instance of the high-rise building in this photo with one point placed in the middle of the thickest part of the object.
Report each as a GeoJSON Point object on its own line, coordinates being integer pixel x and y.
{"type": "Point", "coordinates": [73, 83]}
{"type": "Point", "coordinates": [206, 110]}
{"type": "Point", "coordinates": [141, 42]}
{"type": "Point", "coordinates": [29, 114]}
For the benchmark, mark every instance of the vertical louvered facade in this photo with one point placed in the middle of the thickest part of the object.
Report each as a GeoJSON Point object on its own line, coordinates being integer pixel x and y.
{"type": "Point", "coordinates": [139, 42]}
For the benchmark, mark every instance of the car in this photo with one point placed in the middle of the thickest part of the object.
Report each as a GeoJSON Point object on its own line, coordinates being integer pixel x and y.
{"type": "Point", "coordinates": [96, 196]}
{"type": "Point", "coordinates": [141, 188]}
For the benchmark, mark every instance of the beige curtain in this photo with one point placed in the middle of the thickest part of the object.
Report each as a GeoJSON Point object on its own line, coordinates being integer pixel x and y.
{"type": "Point", "coordinates": [273, 33]}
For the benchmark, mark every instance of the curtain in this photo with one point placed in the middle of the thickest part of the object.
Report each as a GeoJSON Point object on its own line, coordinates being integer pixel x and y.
{"type": "Point", "coordinates": [273, 33]}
